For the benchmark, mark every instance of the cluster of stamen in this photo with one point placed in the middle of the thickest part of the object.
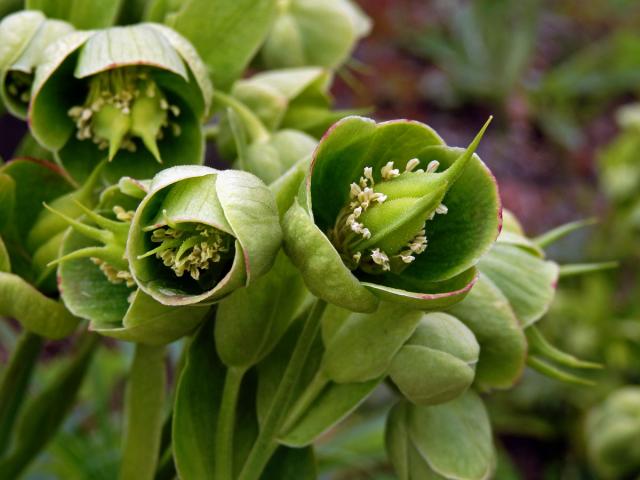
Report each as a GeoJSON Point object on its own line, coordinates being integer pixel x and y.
{"type": "Point", "coordinates": [190, 248]}
{"type": "Point", "coordinates": [349, 230]}
{"type": "Point", "coordinates": [120, 88]}
{"type": "Point", "coordinates": [113, 274]}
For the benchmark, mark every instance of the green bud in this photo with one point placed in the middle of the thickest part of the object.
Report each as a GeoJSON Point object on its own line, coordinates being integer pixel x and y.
{"type": "Point", "coordinates": [437, 364]}
{"type": "Point", "coordinates": [201, 233]}
{"type": "Point", "coordinates": [406, 230]}
{"type": "Point", "coordinates": [24, 38]}
{"type": "Point", "coordinates": [448, 441]}
{"type": "Point", "coordinates": [613, 431]}
{"type": "Point", "coordinates": [139, 104]}
{"type": "Point", "coordinates": [298, 35]}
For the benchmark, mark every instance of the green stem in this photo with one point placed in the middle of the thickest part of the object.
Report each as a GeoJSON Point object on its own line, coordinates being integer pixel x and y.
{"type": "Point", "coordinates": [144, 413]}
{"type": "Point", "coordinates": [305, 400]}
{"type": "Point", "coordinates": [266, 443]}
{"type": "Point", "coordinates": [255, 128]}
{"type": "Point", "coordinates": [15, 381]}
{"type": "Point", "coordinates": [227, 423]}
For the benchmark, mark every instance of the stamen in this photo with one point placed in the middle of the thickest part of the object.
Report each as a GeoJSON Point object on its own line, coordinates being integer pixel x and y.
{"type": "Point", "coordinates": [411, 165]}
{"type": "Point", "coordinates": [433, 166]}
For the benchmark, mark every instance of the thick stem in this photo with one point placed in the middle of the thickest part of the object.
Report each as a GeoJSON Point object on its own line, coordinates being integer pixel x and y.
{"type": "Point", "coordinates": [310, 394]}
{"type": "Point", "coordinates": [227, 423]}
{"type": "Point", "coordinates": [266, 444]}
{"type": "Point", "coordinates": [15, 382]}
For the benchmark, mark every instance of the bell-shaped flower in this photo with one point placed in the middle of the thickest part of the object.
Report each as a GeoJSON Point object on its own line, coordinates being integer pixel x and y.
{"type": "Point", "coordinates": [388, 210]}
{"type": "Point", "coordinates": [24, 37]}
{"type": "Point", "coordinates": [201, 233]}
{"type": "Point", "coordinates": [134, 95]}
{"type": "Point", "coordinates": [95, 281]}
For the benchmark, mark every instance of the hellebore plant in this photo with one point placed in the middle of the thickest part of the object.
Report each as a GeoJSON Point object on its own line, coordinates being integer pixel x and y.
{"type": "Point", "coordinates": [295, 284]}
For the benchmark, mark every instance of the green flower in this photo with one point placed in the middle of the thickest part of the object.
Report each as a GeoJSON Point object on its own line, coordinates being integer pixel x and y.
{"type": "Point", "coordinates": [201, 233]}
{"type": "Point", "coordinates": [98, 97]}
{"type": "Point", "coordinates": [299, 37]}
{"type": "Point", "coordinates": [388, 210]}
{"type": "Point", "coordinates": [613, 434]}
{"type": "Point", "coordinates": [24, 37]}
{"type": "Point", "coordinates": [95, 280]}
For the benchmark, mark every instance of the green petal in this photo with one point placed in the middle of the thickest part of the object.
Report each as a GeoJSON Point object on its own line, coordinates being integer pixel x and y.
{"type": "Point", "coordinates": [193, 61]}
{"type": "Point", "coordinates": [252, 213]}
{"type": "Point", "coordinates": [422, 295]}
{"type": "Point", "coordinates": [473, 220]}
{"type": "Point", "coordinates": [352, 144]}
{"type": "Point", "coordinates": [16, 31]}
{"type": "Point", "coordinates": [321, 266]}
{"type": "Point", "coordinates": [54, 82]}
{"type": "Point", "coordinates": [132, 45]}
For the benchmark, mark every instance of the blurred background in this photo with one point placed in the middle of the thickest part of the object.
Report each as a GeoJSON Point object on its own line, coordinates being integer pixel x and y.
{"type": "Point", "coordinates": [562, 79]}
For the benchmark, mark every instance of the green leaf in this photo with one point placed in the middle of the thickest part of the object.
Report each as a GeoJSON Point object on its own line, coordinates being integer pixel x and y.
{"type": "Point", "coordinates": [362, 346]}
{"type": "Point", "coordinates": [83, 14]}
{"type": "Point", "coordinates": [144, 414]}
{"type": "Point", "coordinates": [196, 409]}
{"type": "Point", "coordinates": [43, 414]}
{"type": "Point", "coordinates": [503, 348]}
{"type": "Point", "coordinates": [528, 282]}
{"type": "Point", "coordinates": [34, 311]}
{"type": "Point", "coordinates": [237, 29]}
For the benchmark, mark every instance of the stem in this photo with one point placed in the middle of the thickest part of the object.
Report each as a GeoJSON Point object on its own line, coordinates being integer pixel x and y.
{"type": "Point", "coordinates": [255, 128]}
{"type": "Point", "coordinates": [305, 400]}
{"type": "Point", "coordinates": [15, 381]}
{"type": "Point", "coordinates": [266, 444]}
{"type": "Point", "coordinates": [227, 423]}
